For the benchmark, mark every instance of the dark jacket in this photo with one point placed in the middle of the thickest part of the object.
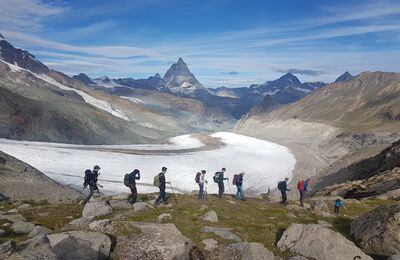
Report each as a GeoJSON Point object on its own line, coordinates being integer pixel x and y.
{"type": "Point", "coordinates": [221, 177]}
{"type": "Point", "coordinates": [239, 180]}
{"type": "Point", "coordinates": [284, 186]}
{"type": "Point", "coordinates": [91, 179]}
{"type": "Point", "coordinates": [162, 180]}
{"type": "Point", "coordinates": [133, 177]}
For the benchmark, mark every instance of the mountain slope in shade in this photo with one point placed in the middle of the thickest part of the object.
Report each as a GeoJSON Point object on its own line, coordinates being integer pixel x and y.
{"type": "Point", "coordinates": [344, 77]}
{"type": "Point", "coordinates": [84, 78]}
{"type": "Point", "coordinates": [20, 58]}
{"type": "Point", "coordinates": [179, 79]}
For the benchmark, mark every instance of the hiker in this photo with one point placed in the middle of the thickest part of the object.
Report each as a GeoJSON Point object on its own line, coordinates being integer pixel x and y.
{"type": "Point", "coordinates": [201, 180]}
{"type": "Point", "coordinates": [159, 181]}
{"type": "Point", "coordinates": [238, 181]}
{"type": "Point", "coordinates": [91, 181]}
{"type": "Point", "coordinates": [338, 205]}
{"type": "Point", "coordinates": [130, 182]}
{"type": "Point", "coordinates": [219, 178]}
{"type": "Point", "coordinates": [300, 187]}
{"type": "Point", "coordinates": [282, 186]}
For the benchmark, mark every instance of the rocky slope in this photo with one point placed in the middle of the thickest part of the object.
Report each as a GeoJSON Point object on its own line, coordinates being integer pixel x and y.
{"type": "Point", "coordinates": [20, 181]}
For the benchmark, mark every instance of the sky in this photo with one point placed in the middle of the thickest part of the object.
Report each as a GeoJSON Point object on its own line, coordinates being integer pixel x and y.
{"type": "Point", "coordinates": [230, 43]}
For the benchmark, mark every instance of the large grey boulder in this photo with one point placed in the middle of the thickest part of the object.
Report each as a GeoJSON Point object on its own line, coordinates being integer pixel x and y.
{"type": "Point", "coordinates": [80, 245]}
{"type": "Point", "coordinates": [96, 209]}
{"type": "Point", "coordinates": [319, 242]}
{"type": "Point", "coordinates": [121, 204]}
{"type": "Point", "coordinates": [7, 248]}
{"type": "Point", "coordinates": [13, 218]}
{"type": "Point", "coordinates": [99, 225]}
{"type": "Point", "coordinates": [378, 231]}
{"type": "Point", "coordinates": [22, 228]}
{"type": "Point", "coordinates": [76, 224]}
{"type": "Point", "coordinates": [39, 230]}
{"type": "Point", "coordinates": [211, 216]}
{"type": "Point", "coordinates": [210, 244]}
{"type": "Point", "coordinates": [253, 251]}
{"type": "Point", "coordinates": [156, 241]}
{"type": "Point", "coordinates": [121, 196]}
{"type": "Point", "coordinates": [224, 233]}
{"type": "Point", "coordinates": [34, 248]}
{"type": "Point", "coordinates": [319, 205]}
{"type": "Point", "coordinates": [141, 206]}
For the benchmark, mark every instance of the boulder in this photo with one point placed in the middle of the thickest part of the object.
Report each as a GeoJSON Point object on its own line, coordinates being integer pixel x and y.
{"type": "Point", "coordinates": [319, 205]}
{"type": "Point", "coordinates": [7, 248]}
{"type": "Point", "coordinates": [121, 196]}
{"type": "Point", "coordinates": [37, 247]}
{"type": "Point", "coordinates": [378, 231]}
{"type": "Point", "coordinates": [39, 230]}
{"type": "Point", "coordinates": [96, 209]}
{"type": "Point", "coordinates": [319, 242]}
{"type": "Point", "coordinates": [141, 206]}
{"type": "Point", "coordinates": [2, 232]}
{"type": "Point", "coordinates": [12, 211]}
{"type": "Point", "coordinates": [390, 195]}
{"type": "Point", "coordinates": [394, 257]}
{"type": "Point", "coordinates": [324, 223]}
{"type": "Point", "coordinates": [224, 233]}
{"type": "Point", "coordinates": [76, 224]}
{"type": "Point", "coordinates": [13, 218]}
{"type": "Point", "coordinates": [211, 216]}
{"type": "Point", "coordinates": [253, 251]}
{"type": "Point", "coordinates": [22, 228]}
{"type": "Point", "coordinates": [156, 241]}
{"type": "Point", "coordinates": [3, 197]}
{"type": "Point", "coordinates": [203, 207]}
{"type": "Point", "coordinates": [24, 206]}
{"type": "Point", "coordinates": [164, 217]}
{"type": "Point", "coordinates": [122, 204]}
{"type": "Point", "coordinates": [80, 245]}
{"type": "Point", "coordinates": [210, 243]}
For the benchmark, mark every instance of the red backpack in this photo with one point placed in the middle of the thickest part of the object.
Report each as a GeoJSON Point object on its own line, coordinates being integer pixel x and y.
{"type": "Point", "coordinates": [197, 179]}
{"type": "Point", "coordinates": [300, 185]}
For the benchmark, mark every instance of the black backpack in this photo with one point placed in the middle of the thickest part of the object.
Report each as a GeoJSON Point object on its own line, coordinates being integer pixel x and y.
{"type": "Point", "coordinates": [280, 185]}
{"type": "Point", "coordinates": [87, 178]}
{"type": "Point", "coordinates": [197, 178]}
{"type": "Point", "coordinates": [216, 177]}
{"type": "Point", "coordinates": [126, 180]}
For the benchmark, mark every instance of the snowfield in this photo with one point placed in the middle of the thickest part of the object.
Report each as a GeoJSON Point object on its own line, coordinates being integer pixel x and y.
{"type": "Point", "coordinates": [264, 163]}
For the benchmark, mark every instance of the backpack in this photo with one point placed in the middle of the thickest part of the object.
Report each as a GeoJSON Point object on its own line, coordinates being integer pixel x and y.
{"type": "Point", "coordinates": [300, 185]}
{"type": "Point", "coordinates": [126, 180]}
{"type": "Point", "coordinates": [280, 185]}
{"type": "Point", "coordinates": [235, 178]}
{"type": "Point", "coordinates": [87, 178]}
{"type": "Point", "coordinates": [157, 180]}
{"type": "Point", "coordinates": [338, 203]}
{"type": "Point", "coordinates": [197, 179]}
{"type": "Point", "coordinates": [216, 177]}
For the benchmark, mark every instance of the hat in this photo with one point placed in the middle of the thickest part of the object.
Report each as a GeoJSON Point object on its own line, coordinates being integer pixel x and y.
{"type": "Point", "coordinates": [97, 167]}
{"type": "Point", "coordinates": [203, 171]}
{"type": "Point", "coordinates": [136, 171]}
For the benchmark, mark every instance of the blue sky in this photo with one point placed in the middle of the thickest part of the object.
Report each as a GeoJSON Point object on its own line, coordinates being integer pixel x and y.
{"type": "Point", "coordinates": [225, 42]}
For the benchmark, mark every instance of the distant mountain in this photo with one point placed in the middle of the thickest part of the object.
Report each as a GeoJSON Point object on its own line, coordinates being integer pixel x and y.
{"type": "Point", "coordinates": [154, 82]}
{"type": "Point", "coordinates": [20, 58]}
{"type": "Point", "coordinates": [344, 77]}
{"type": "Point", "coordinates": [84, 78]}
{"type": "Point", "coordinates": [179, 79]}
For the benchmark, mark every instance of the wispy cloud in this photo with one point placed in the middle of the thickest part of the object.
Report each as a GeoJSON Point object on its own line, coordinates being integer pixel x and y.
{"type": "Point", "coordinates": [233, 73]}
{"type": "Point", "coordinates": [303, 72]}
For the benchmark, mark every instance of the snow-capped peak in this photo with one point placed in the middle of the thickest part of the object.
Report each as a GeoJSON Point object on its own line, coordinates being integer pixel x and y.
{"type": "Point", "coordinates": [1, 37]}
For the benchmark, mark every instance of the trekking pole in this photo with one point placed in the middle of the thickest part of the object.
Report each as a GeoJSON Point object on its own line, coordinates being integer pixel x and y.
{"type": "Point", "coordinates": [173, 193]}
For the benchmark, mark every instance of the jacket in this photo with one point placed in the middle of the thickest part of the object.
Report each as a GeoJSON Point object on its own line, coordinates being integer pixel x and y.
{"type": "Point", "coordinates": [133, 177]}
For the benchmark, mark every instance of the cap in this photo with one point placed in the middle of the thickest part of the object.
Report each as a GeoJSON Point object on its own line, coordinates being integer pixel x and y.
{"type": "Point", "coordinates": [97, 167]}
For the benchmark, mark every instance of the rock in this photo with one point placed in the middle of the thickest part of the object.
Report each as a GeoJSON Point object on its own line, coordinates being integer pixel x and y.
{"type": "Point", "coordinates": [211, 216]}
{"type": "Point", "coordinates": [13, 218]}
{"type": "Point", "coordinates": [390, 195]}
{"type": "Point", "coordinates": [99, 225]}
{"type": "Point", "coordinates": [157, 241]}
{"type": "Point", "coordinates": [297, 257]}
{"type": "Point", "coordinates": [80, 245]}
{"type": "Point", "coordinates": [3, 197]}
{"type": "Point", "coordinates": [141, 206]}
{"type": "Point", "coordinates": [319, 205]}
{"type": "Point", "coordinates": [96, 209]}
{"type": "Point", "coordinates": [291, 215]}
{"type": "Point", "coordinates": [2, 232]}
{"type": "Point", "coordinates": [253, 251]}
{"type": "Point", "coordinates": [378, 231]}
{"type": "Point", "coordinates": [39, 230]}
{"type": "Point", "coordinates": [121, 196]}
{"type": "Point", "coordinates": [164, 217]}
{"type": "Point", "coordinates": [203, 207]}
{"type": "Point", "coordinates": [76, 224]}
{"type": "Point", "coordinates": [24, 206]}
{"type": "Point", "coordinates": [22, 228]}
{"type": "Point", "coordinates": [122, 204]}
{"type": "Point", "coordinates": [35, 248]}
{"type": "Point", "coordinates": [394, 257]}
{"type": "Point", "coordinates": [222, 233]}
{"type": "Point", "coordinates": [44, 214]}
{"type": "Point", "coordinates": [170, 205]}
{"type": "Point", "coordinates": [324, 223]}
{"type": "Point", "coordinates": [7, 248]}
{"type": "Point", "coordinates": [13, 211]}
{"type": "Point", "coordinates": [319, 242]}
{"type": "Point", "coordinates": [210, 243]}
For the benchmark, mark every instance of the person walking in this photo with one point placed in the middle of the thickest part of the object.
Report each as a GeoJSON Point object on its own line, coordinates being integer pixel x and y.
{"type": "Point", "coordinates": [219, 178]}
{"type": "Point", "coordinates": [338, 205]}
{"type": "Point", "coordinates": [239, 183]}
{"type": "Point", "coordinates": [300, 187]}
{"type": "Point", "coordinates": [130, 182]}
{"type": "Point", "coordinates": [201, 181]}
{"type": "Point", "coordinates": [162, 185]}
{"type": "Point", "coordinates": [91, 178]}
{"type": "Point", "coordinates": [282, 186]}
